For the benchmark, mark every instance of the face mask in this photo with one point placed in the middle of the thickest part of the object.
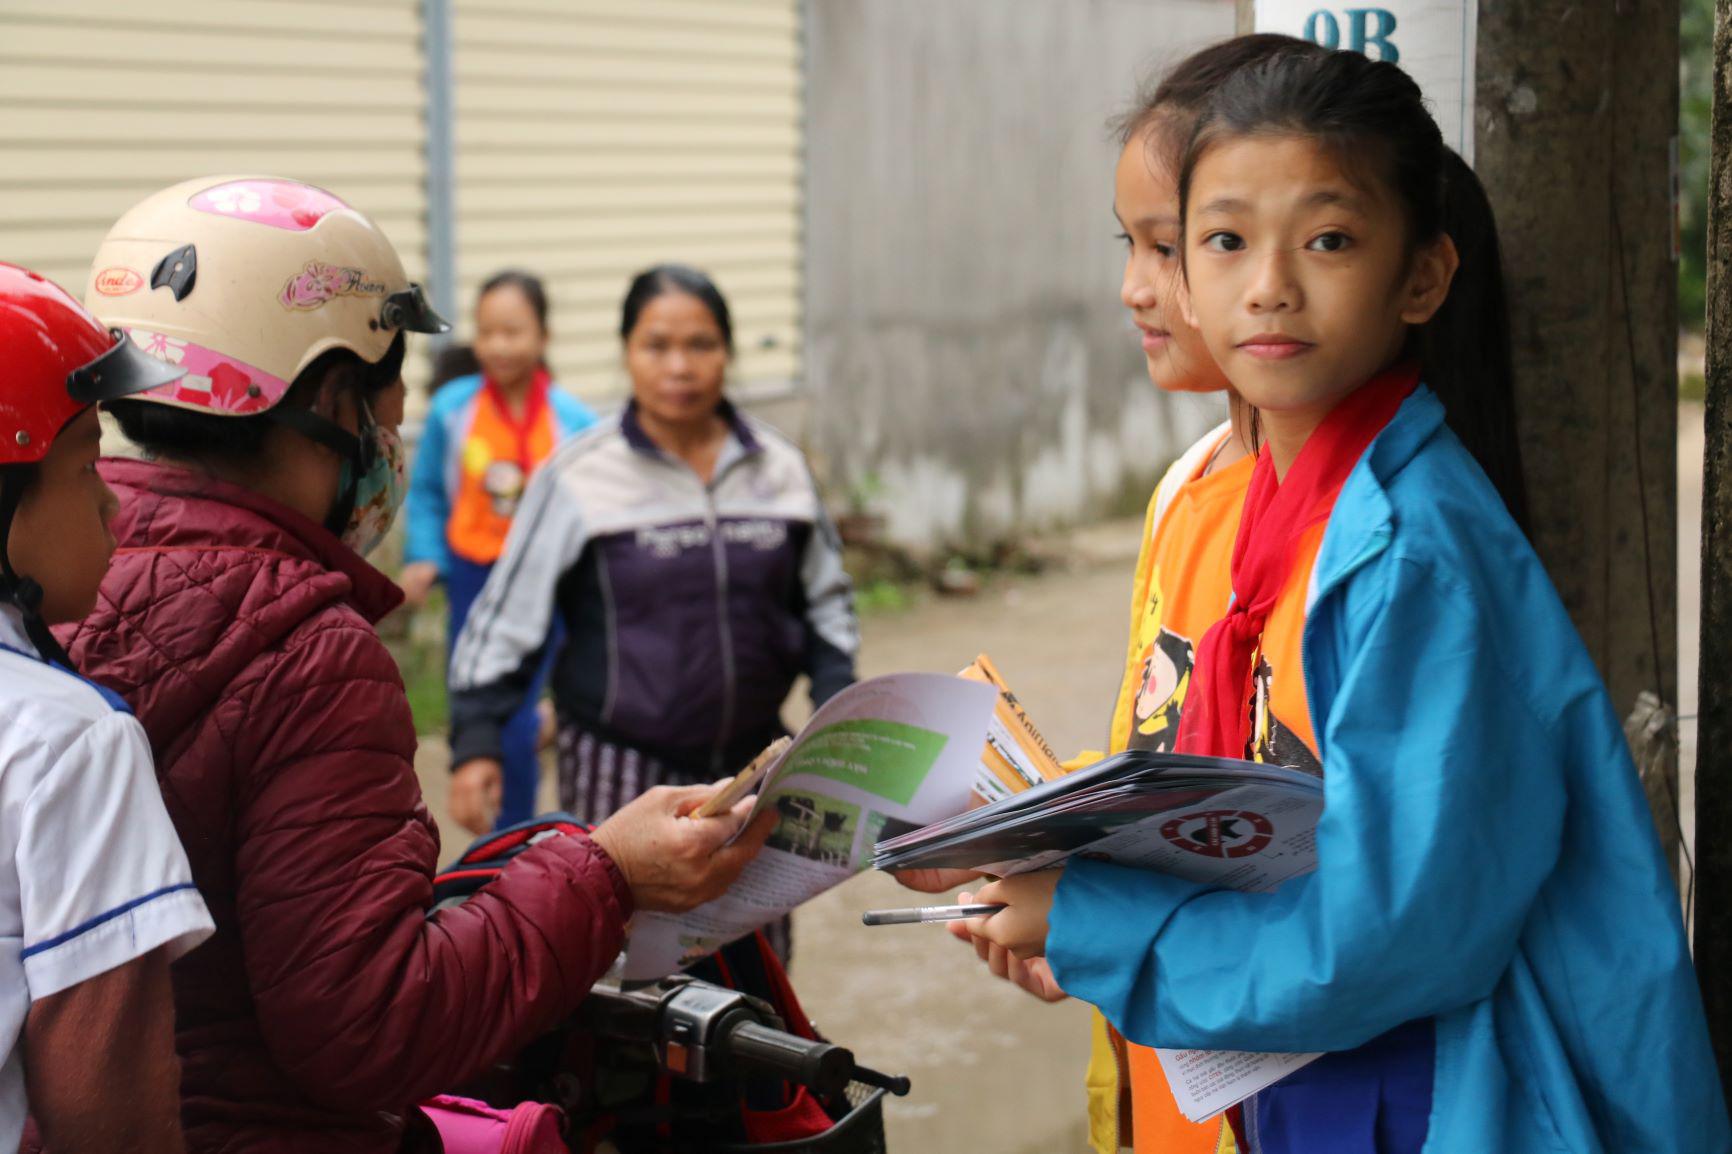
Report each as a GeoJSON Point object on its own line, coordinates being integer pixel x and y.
{"type": "Point", "coordinates": [378, 492]}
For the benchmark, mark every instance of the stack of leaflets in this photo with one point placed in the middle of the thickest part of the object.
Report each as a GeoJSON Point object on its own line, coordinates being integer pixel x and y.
{"type": "Point", "coordinates": [1237, 824]}
{"type": "Point", "coordinates": [1015, 756]}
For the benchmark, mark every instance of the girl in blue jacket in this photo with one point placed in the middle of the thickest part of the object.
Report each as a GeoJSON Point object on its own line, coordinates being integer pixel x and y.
{"type": "Point", "coordinates": [1489, 953]}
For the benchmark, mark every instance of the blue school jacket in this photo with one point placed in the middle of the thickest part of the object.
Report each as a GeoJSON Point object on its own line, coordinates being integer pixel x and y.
{"type": "Point", "coordinates": [1486, 857]}
{"type": "Point", "coordinates": [435, 474]}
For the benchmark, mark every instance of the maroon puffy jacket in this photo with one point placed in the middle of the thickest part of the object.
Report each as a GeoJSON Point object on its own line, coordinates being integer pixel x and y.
{"type": "Point", "coordinates": [328, 1002]}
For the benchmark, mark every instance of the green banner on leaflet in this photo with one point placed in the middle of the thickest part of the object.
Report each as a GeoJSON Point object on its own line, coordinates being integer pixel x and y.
{"type": "Point", "coordinates": [885, 758]}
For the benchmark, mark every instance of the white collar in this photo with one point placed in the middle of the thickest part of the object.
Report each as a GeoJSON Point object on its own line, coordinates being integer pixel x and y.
{"type": "Point", "coordinates": [12, 633]}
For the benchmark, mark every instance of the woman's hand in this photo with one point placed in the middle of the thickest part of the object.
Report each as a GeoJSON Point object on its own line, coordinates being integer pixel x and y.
{"type": "Point", "coordinates": [934, 881]}
{"type": "Point", "coordinates": [674, 862]}
{"type": "Point", "coordinates": [1021, 926]}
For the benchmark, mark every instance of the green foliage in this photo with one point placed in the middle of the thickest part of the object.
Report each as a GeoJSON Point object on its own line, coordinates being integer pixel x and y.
{"type": "Point", "coordinates": [882, 596]}
{"type": "Point", "coordinates": [420, 653]}
{"type": "Point", "coordinates": [1696, 97]}
{"type": "Point", "coordinates": [425, 683]}
{"type": "Point", "coordinates": [866, 493]}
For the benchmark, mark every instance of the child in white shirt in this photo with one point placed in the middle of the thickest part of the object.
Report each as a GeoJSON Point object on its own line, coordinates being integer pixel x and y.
{"type": "Point", "coordinates": [96, 897]}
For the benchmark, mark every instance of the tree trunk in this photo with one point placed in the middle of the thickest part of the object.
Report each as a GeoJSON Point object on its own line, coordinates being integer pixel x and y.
{"type": "Point", "coordinates": [1714, 757]}
{"type": "Point", "coordinates": [1576, 114]}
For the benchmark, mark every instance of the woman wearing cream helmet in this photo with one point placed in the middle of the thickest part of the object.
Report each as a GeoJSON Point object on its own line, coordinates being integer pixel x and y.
{"type": "Point", "coordinates": [238, 621]}
{"type": "Point", "coordinates": [279, 301]}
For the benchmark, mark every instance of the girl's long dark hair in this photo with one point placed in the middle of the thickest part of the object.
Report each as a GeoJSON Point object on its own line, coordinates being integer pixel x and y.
{"type": "Point", "coordinates": [1464, 350]}
{"type": "Point", "coordinates": [1182, 92]}
{"type": "Point", "coordinates": [1372, 115]}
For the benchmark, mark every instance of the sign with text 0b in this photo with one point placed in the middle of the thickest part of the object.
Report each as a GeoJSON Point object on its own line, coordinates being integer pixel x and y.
{"type": "Point", "coordinates": [1432, 39]}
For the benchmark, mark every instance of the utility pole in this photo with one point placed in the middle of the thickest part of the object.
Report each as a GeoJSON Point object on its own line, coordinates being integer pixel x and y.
{"type": "Point", "coordinates": [1714, 747]}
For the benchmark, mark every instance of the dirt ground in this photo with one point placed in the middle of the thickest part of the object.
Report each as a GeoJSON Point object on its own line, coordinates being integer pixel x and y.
{"type": "Point", "coordinates": [911, 999]}
{"type": "Point", "coordinates": [992, 1068]}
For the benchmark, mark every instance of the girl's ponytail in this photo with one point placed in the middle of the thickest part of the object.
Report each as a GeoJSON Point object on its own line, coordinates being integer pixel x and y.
{"type": "Point", "coordinates": [1464, 350]}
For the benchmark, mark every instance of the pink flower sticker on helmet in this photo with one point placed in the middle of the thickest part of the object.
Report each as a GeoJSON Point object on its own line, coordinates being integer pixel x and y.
{"type": "Point", "coordinates": [283, 204]}
{"type": "Point", "coordinates": [320, 283]}
{"type": "Point", "coordinates": [213, 380]}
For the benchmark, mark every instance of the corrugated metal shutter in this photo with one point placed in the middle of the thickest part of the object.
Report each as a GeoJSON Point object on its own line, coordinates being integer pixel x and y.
{"type": "Point", "coordinates": [597, 137]}
{"type": "Point", "coordinates": [105, 101]}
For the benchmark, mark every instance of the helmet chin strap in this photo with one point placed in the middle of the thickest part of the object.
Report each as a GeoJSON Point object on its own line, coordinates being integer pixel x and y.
{"type": "Point", "coordinates": [357, 451]}
{"type": "Point", "coordinates": [24, 592]}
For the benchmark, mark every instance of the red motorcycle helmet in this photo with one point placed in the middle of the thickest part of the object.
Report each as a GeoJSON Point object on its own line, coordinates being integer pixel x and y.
{"type": "Point", "coordinates": [56, 360]}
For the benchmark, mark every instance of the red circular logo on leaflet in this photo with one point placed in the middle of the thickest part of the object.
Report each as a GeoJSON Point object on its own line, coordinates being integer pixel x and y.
{"type": "Point", "coordinates": [1224, 833]}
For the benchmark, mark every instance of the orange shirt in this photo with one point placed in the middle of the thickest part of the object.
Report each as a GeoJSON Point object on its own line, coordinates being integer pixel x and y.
{"type": "Point", "coordinates": [493, 466]}
{"type": "Point", "coordinates": [1182, 588]}
{"type": "Point", "coordinates": [1280, 711]}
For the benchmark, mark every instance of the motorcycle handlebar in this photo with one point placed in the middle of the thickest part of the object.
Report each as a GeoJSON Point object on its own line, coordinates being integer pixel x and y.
{"type": "Point", "coordinates": [824, 1067]}
{"type": "Point", "coordinates": [712, 1029]}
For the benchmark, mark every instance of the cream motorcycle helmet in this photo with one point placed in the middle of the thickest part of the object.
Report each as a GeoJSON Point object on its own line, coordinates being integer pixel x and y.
{"type": "Point", "coordinates": [245, 281]}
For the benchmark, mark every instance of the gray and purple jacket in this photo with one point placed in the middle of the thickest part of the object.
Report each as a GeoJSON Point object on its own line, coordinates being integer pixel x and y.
{"type": "Point", "coordinates": [689, 609]}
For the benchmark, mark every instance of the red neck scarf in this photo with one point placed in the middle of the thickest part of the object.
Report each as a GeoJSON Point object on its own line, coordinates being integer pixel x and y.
{"type": "Point", "coordinates": [1217, 717]}
{"type": "Point", "coordinates": [534, 402]}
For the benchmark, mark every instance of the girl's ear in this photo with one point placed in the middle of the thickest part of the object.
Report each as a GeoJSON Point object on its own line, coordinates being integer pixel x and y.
{"type": "Point", "coordinates": [335, 402]}
{"type": "Point", "coordinates": [1434, 269]}
{"type": "Point", "coordinates": [325, 400]}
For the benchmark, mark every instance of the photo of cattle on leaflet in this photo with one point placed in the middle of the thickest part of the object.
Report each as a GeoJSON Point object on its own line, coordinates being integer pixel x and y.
{"type": "Point", "coordinates": [820, 829]}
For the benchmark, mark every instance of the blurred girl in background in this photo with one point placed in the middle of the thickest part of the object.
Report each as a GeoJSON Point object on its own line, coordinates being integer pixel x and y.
{"type": "Point", "coordinates": [487, 432]}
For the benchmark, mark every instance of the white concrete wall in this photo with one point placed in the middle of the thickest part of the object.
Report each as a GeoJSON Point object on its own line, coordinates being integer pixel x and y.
{"type": "Point", "coordinates": [972, 373]}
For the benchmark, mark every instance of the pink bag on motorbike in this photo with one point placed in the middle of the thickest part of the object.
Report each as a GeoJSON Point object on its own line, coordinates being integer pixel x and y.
{"type": "Point", "coordinates": [470, 1127]}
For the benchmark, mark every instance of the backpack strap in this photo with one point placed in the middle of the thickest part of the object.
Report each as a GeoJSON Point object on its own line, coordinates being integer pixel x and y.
{"type": "Point", "coordinates": [787, 1003]}
{"type": "Point", "coordinates": [491, 853]}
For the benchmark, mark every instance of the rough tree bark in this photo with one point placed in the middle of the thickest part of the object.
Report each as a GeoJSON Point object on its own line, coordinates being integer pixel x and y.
{"type": "Point", "coordinates": [1714, 757]}
{"type": "Point", "coordinates": [1577, 109]}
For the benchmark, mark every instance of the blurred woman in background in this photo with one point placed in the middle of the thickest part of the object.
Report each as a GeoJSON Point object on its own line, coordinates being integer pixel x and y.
{"type": "Point", "coordinates": [686, 552]}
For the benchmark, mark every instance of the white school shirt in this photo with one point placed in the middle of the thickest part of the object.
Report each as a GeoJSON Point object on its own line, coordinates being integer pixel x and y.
{"type": "Point", "coordinates": [92, 874]}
